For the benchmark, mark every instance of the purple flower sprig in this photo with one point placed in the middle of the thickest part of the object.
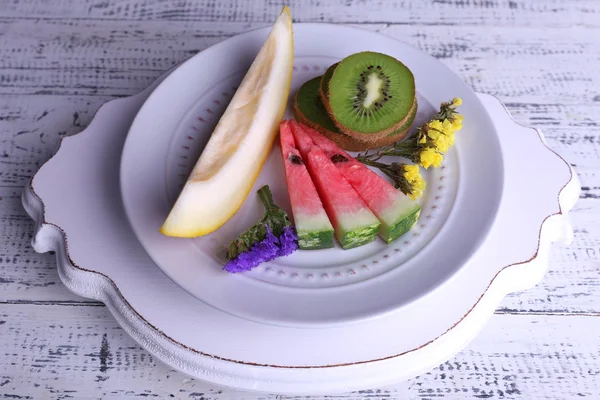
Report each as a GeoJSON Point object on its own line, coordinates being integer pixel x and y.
{"type": "Point", "coordinates": [271, 237]}
{"type": "Point", "coordinates": [267, 249]}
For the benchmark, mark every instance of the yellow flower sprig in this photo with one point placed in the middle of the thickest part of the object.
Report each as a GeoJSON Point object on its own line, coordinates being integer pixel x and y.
{"type": "Point", "coordinates": [406, 177]}
{"type": "Point", "coordinates": [425, 148]}
{"type": "Point", "coordinates": [413, 177]}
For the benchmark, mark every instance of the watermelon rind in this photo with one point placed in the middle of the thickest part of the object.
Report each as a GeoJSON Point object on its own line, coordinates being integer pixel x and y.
{"type": "Point", "coordinates": [358, 237]}
{"type": "Point", "coordinates": [393, 228]}
{"type": "Point", "coordinates": [315, 240]}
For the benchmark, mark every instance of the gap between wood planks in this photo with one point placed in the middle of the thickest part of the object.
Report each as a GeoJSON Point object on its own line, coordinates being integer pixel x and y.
{"type": "Point", "coordinates": [545, 13]}
{"type": "Point", "coordinates": [93, 303]}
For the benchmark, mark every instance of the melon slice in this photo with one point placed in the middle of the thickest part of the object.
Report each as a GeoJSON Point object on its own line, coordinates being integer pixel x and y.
{"type": "Point", "coordinates": [354, 224]}
{"type": "Point", "coordinates": [396, 211]}
{"type": "Point", "coordinates": [225, 172]}
{"type": "Point", "coordinates": [312, 224]}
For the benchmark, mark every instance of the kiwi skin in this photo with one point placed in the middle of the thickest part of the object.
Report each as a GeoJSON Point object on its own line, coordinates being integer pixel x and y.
{"type": "Point", "coordinates": [324, 86]}
{"type": "Point", "coordinates": [355, 134]}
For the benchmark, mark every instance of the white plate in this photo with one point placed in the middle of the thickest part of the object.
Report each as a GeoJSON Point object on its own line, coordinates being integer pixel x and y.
{"type": "Point", "coordinates": [309, 287]}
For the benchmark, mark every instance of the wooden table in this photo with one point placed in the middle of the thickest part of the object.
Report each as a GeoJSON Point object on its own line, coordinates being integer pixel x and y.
{"type": "Point", "coordinates": [60, 60]}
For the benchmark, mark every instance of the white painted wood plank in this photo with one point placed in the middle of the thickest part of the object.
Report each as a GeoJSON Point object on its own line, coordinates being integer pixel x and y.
{"type": "Point", "coordinates": [31, 127]}
{"type": "Point", "coordinates": [544, 13]}
{"type": "Point", "coordinates": [79, 352]}
{"type": "Point", "coordinates": [121, 57]}
{"type": "Point", "coordinates": [87, 51]}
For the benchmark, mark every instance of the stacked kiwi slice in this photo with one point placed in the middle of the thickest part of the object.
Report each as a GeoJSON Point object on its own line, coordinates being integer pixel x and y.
{"type": "Point", "coordinates": [365, 101]}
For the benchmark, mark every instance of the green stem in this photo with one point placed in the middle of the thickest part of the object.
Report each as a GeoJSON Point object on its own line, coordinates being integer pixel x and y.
{"type": "Point", "coordinates": [375, 164]}
{"type": "Point", "coordinates": [406, 144]}
{"type": "Point", "coordinates": [399, 153]}
{"type": "Point", "coordinates": [265, 195]}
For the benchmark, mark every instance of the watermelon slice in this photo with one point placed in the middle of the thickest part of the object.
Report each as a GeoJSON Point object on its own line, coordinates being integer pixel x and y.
{"type": "Point", "coordinates": [312, 225]}
{"type": "Point", "coordinates": [396, 211]}
{"type": "Point", "coordinates": [354, 224]}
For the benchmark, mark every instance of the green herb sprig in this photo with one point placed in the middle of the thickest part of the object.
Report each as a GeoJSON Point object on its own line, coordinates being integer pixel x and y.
{"type": "Point", "coordinates": [275, 218]}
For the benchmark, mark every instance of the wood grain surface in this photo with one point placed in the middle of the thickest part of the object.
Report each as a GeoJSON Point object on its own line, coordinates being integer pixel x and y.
{"type": "Point", "coordinates": [61, 60]}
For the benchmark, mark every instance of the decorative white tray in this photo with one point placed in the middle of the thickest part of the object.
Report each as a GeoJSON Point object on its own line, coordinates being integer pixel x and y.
{"type": "Point", "coordinates": [354, 339]}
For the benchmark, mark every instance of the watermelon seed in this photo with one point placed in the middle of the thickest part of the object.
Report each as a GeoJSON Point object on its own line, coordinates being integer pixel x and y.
{"type": "Point", "coordinates": [337, 158]}
{"type": "Point", "coordinates": [296, 160]}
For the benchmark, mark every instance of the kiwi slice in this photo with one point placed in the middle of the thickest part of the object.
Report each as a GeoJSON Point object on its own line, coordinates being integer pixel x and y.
{"type": "Point", "coordinates": [370, 95]}
{"type": "Point", "coordinates": [393, 137]}
{"type": "Point", "coordinates": [309, 110]}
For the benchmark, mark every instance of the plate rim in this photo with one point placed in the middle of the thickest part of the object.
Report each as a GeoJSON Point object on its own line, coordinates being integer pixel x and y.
{"type": "Point", "coordinates": [383, 309]}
